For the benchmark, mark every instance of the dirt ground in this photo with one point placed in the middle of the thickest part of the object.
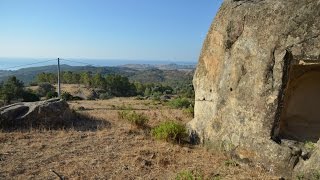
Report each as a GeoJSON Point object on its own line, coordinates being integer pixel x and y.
{"type": "Point", "coordinates": [113, 150]}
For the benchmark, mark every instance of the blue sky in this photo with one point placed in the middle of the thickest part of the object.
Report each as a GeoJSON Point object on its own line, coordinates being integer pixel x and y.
{"type": "Point", "coordinates": [105, 29]}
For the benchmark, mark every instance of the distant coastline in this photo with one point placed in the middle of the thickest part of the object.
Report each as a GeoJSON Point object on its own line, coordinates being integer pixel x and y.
{"type": "Point", "coordinates": [10, 63]}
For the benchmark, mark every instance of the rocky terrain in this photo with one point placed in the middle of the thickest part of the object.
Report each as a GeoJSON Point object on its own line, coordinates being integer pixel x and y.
{"type": "Point", "coordinates": [241, 81]}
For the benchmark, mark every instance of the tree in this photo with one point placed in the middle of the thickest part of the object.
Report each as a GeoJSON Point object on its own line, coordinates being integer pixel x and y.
{"type": "Point", "coordinates": [85, 78]}
{"type": "Point", "coordinates": [141, 88]}
{"type": "Point", "coordinates": [11, 89]}
{"type": "Point", "coordinates": [47, 77]}
{"type": "Point", "coordinates": [45, 88]}
{"type": "Point", "coordinates": [98, 81]}
{"type": "Point", "coordinates": [76, 78]}
{"type": "Point", "coordinates": [120, 86]}
{"type": "Point", "coordinates": [67, 77]}
{"type": "Point", "coordinates": [30, 96]}
{"type": "Point", "coordinates": [66, 96]}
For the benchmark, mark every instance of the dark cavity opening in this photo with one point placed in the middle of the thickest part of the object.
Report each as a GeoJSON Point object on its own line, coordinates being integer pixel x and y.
{"type": "Point", "coordinates": [300, 116]}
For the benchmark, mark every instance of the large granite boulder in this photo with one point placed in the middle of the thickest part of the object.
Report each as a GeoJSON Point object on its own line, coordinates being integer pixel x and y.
{"type": "Point", "coordinates": [48, 114]}
{"type": "Point", "coordinates": [258, 62]}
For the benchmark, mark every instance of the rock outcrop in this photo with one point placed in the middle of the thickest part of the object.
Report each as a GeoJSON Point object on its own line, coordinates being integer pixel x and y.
{"type": "Point", "coordinates": [310, 168]}
{"type": "Point", "coordinates": [48, 114]}
{"type": "Point", "coordinates": [254, 56]}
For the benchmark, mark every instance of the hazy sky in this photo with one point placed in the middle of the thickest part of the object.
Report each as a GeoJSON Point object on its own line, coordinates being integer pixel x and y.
{"type": "Point", "coordinates": [106, 29]}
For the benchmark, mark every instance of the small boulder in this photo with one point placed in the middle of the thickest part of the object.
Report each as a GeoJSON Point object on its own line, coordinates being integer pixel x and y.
{"type": "Point", "coordinates": [49, 114]}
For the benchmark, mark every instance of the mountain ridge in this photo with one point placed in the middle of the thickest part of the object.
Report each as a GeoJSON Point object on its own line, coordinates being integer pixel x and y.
{"type": "Point", "coordinates": [145, 73]}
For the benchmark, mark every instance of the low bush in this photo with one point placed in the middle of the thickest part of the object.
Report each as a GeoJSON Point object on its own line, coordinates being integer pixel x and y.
{"type": "Point", "coordinates": [29, 96]}
{"type": "Point", "coordinates": [180, 103]}
{"type": "Point", "coordinates": [310, 146]}
{"type": "Point", "coordinates": [189, 175]}
{"type": "Point", "coordinates": [51, 94]}
{"type": "Point", "coordinates": [156, 96]}
{"type": "Point", "coordinates": [170, 131]}
{"type": "Point", "coordinates": [137, 119]}
{"type": "Point", "coordinates": [66, 96]}
{"type": "Point", "coordinates": [45, 88]}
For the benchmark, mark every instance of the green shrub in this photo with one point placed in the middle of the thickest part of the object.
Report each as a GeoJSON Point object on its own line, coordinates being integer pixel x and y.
{"type": "Point", "coordinates": [156, 96]}
{"type": "Point", "coordinates": [316, 175]}
{"type": "Point", "coordinates": [137, 119]}
{"type": "Point", "coordinates": [189, 175]}
{"type": "Point", "coordinates": [122, 114]}
{"type": "Point", "coordinates": [66, 96]}
{"type": "Point", "coordinates": [300, 176]}
{"type": "Point", "coordinates": [309, 145]}
{"type": "Point", "coordinates": [51, 94]}
{"type": "Point", "coordinates": [169, 131]}
{"type": "Point", "coordinates": [180, 103]}
{"type": "Point", "coordinates": [29, 96]}
{"type": "Point", "coordinates": [45, 88]}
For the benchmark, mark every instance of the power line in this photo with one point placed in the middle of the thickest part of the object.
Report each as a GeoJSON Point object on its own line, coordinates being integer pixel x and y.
{"type": "Point", "coordinates": [40, 62]}
{"type": "Point", "coordinates": [28, 64]}
{"type": "Point", "coordinates": [77, 62]}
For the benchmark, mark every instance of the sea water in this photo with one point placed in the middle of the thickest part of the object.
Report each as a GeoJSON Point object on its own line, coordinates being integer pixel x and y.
{"type": "Point", "coordinates": [18, 63]}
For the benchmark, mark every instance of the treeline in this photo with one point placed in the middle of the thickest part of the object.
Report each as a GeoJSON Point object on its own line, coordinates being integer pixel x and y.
{"type": "Point", "coordinates": [13, 89]}
{"type": "Point", "coordinates": [117, 85]}
{"type": "Point", "coordinates": [108, 86]}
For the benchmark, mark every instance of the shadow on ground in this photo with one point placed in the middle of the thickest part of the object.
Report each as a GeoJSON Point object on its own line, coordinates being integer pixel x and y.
{"type": "Point", "coordinates": [78, 122]}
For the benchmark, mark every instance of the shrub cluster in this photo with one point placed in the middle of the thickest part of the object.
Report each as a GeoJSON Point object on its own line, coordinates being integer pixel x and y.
{"type": "Point", "coordinates": [180, 103]}
{"type": "Point", "coordinates": [13, 89]}
{"type": "Point", "coordinates": [189, 111]}
{"type": "Point", "coordinates": [189, 175]}
{"type": "Point", "coordinates": [137, 119]}
{"type": "Point", "coordinates": [170, 131]}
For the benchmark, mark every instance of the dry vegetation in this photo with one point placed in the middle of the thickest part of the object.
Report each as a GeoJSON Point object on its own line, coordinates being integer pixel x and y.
{"type": "Point", "coordinates": [113, 150]}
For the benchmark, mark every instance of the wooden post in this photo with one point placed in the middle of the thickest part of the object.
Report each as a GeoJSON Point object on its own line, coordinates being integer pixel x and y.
{"type": "Point", "coordinates": [59, 86]}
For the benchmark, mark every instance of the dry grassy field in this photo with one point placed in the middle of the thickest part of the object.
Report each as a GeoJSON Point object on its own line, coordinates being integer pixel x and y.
{"type": "Point", "coordinates": [113, 149]}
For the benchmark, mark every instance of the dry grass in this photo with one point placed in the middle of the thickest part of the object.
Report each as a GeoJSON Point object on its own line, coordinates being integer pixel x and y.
{"type": "Point", "coordinates": [117, 151]}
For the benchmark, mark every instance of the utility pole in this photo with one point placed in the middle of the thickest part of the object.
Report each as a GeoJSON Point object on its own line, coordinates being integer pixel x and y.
{"type": "Point", "coordinates": [59, 86]}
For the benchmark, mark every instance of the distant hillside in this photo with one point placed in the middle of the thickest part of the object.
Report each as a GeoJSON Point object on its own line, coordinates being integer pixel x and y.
{"type": "Point", "coordinates": [27, 75]}
{"type": "Point", "coordinates": [170, 74]}
{"type": "Point", "coordinates": [171, 66]}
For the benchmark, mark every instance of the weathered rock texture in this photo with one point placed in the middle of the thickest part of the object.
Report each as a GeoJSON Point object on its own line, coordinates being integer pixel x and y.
{"type": "Point", "coordinates": [310, 169]}
{"type": "Point", "coordinates": [48, 114]}
{"type": "Point", "coordinates": [243, 75]}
